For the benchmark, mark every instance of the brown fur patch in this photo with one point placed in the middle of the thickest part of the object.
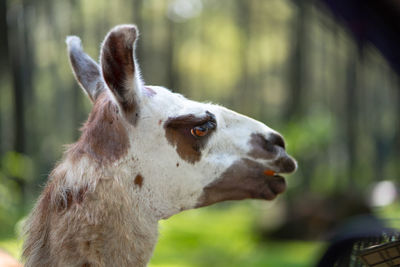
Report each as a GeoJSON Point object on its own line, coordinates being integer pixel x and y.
{"type": "Point", "coordinates": [139, 180]}
{"type": "Point", "coordinates": [243, 179]}
{"type": "Point", "coordinates": [119, 68]}
{"type": "Point", "coordinates": [64, 200]}
{"type": "Point", "coordinates": [104, 137]}
{"type": "Point", "coordinates": [67, 197]}
{"type": "Point", "coordinates": [177, 132]}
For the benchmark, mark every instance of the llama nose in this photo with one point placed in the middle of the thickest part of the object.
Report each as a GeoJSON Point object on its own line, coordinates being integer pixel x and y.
{"type": "Point", "coordinates": [276, 140]}
{"type": "Point", "coordinates": [286, 164]}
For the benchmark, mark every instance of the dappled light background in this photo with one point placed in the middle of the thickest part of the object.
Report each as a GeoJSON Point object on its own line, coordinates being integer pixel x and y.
{"type": "Point", "coordinates": [287, 63]}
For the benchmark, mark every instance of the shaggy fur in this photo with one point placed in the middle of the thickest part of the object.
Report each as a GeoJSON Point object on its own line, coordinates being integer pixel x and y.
{"type": "Point", "coordinates": [89, 222]}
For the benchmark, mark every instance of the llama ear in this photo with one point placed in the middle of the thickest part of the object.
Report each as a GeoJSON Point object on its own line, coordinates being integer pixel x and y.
{"type": "Point", "coordinates": [86, 70]}
{"type": "Point", "coordinates": [119, 69]}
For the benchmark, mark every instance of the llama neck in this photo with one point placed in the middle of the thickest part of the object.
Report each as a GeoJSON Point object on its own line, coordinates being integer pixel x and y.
{"type": "Point", "coordinates": [99, 224]}
{"type": "Point", "coordinates": [126, 229]}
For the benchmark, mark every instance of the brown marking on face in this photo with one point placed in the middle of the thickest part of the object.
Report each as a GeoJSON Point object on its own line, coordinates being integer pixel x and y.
{"type": "Point", "coordinates": [149, 92]}
{"type": "Point", "coordinates": [243, 179]}
{"type": "Point", "coordinates": [104, 137]}
{"type": "Point", "coordinates": [138, 180]}
{"type": "Point", "coordinates": [277, 140]}
{"type": "Point", "coordinates": [261, 147]}
{"type": "Point", "coordinates": [177, 132]}
{"type": "Point", "coordinates": [177, 164]}
{"type": "Point", "coordinates": [118, 68]}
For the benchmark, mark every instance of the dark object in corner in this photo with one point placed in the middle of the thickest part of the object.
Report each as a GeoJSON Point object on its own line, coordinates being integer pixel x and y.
{"type": "Point", "coordinates": [372, 21]}
{"type": "Point", "coordinates": [352, 239]}
{"type": "Point", "coordinates": [387, 254]}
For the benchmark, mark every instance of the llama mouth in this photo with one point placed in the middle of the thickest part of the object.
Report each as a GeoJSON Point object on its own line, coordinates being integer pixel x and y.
{"type": "Point", "coordinates": [278, 184]}
{"type": "Point", "coordinates": [244, 179]}
{"type": "Point", "coordinates": [274, 185]}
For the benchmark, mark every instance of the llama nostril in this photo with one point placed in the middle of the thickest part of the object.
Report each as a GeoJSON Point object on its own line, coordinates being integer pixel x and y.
{"type": "Point", "coordinates": [266, 147]}
{"type": "Point", "coordinates": [277, 140]}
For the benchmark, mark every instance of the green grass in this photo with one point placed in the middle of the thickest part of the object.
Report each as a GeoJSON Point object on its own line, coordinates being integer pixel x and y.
{"type": "Point", "coordinates": [222, 235]}
{"type": "Point", "coordinates": [225, 237]}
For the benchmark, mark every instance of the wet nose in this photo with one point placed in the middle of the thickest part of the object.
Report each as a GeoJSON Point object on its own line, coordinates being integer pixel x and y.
{"type": "Point", "coordinates": [270, 147]}
{"type": "Point", "coordinates": [286, 164]}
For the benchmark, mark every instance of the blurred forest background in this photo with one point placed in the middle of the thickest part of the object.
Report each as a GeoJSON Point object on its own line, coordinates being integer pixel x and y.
{"type": "Point", "coordinates": [287, 63]}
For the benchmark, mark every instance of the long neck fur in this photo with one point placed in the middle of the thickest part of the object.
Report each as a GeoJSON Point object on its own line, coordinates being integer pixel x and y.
{"type": "Point", "coordinates": [86, 216]}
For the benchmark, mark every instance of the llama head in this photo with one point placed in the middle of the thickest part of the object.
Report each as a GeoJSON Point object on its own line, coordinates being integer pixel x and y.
{"type": "Point", "coordinates": [175, 153]}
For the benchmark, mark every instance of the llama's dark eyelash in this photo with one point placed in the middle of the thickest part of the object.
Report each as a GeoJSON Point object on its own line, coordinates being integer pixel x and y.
{"type": "Point", "coordinates": [211, 125]}
{"type": "Point", "coordinates": [211, 117]}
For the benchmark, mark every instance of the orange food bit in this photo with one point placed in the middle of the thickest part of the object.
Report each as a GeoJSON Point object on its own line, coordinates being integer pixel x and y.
{"type": "Point", "coordinates": [269, 172]}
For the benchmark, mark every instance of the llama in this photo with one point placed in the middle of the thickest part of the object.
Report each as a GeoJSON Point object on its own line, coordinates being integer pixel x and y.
{"type": "Point", "coordinates": [144, 154]}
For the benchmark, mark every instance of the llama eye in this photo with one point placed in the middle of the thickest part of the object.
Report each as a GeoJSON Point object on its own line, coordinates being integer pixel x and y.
{"type": "Point", "coordinates": [199, 131]}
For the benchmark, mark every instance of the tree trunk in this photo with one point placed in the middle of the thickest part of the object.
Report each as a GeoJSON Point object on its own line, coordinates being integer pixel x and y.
{"type": "Point", "coordinates": [4, 66]}
{"type": "Point", "coordinates": [3, 37]}
{"type": "Point", "coordinates": [137, 19]}
{"type": "Point", "coordinates": [297, 61]}
{"type": "Point", "coordinates": [351, 109]}
{"type": "Point", "coordinates": [77, 95]}
{"type": "Point", "coordinates": [21, 62]}
{"type": "Point", "coordinates": [172, 74]}
{"type": "Point", "coordinates": [242, 98]}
